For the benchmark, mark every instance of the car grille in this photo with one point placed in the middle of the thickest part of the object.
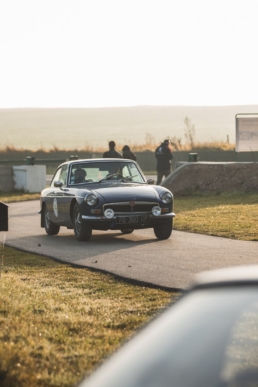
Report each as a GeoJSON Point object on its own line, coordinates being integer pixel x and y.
{"type": "Point", "coordinates": [130, 207]}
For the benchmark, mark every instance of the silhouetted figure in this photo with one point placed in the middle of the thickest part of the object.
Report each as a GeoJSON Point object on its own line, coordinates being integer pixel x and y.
{"type": "Point", "coordinates": [128, 154]}
{"type": "Point", "coordinates": [164, 156]}
{"type": "Point", "coordinates": [112, 153]}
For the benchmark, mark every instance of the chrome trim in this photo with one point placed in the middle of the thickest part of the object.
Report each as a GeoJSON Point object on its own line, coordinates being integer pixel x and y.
{"type": "Point", "coordinates": [170, 215]}
{"type": "Point", "coordinates": [128, 203]}
{"type": "Point", "coordinates": [102, 218]}
{"type": "Point", "coordinates": [138, 213]}
{"type": "Point", "coordinates": [86, 217]}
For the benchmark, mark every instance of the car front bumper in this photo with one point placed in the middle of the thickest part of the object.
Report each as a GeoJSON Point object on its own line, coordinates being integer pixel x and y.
{"type": "Point", "coordinates": [102, 218]}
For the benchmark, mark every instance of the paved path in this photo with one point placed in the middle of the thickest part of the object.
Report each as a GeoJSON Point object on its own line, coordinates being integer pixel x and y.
{"type": "Point", "coordinates": [138, 256]}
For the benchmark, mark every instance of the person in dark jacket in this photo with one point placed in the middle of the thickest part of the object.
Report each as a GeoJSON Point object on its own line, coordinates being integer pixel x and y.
{"type": "Point", "coordinates": [128, 154]}
{"type": "Point", "coordinates": [164, 156]}
{"type": "Point", "coordinates": [112, 153]}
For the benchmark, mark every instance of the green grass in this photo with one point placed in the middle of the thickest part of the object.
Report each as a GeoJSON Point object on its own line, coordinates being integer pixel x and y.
{"type": "Point", "coordinates": [58, 322]}
{"type": "Point", "coordinates": [227, 215]}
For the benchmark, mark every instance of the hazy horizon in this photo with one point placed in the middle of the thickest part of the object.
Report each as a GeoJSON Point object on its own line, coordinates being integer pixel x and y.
{"type": "Point", "coordinates": [72, 128]}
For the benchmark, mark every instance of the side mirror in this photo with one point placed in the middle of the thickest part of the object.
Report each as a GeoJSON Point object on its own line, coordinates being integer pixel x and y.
{"type": "Point", "coordinates": [150, 181]}
{"type": "Point", "coordinates": [58, 184]}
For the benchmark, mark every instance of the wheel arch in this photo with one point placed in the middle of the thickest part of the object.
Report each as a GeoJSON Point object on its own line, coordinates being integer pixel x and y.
{"type": "Point", "coordinates": [73, 202]}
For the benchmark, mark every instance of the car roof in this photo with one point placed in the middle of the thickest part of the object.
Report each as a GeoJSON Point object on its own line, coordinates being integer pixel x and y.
{"type": "Point", "coordinates": [236, 275]}
{"type": "Point", "coordinates": [103, 160]}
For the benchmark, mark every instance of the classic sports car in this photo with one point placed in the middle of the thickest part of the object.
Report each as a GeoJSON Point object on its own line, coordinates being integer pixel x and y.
{"type": "Point", "coordinates": [105, 194]}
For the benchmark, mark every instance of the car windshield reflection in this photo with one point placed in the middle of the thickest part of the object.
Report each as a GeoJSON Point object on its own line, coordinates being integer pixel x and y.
{"type": "Point", "coordinates": [208, 338]}
{"type": "Point", "coordinates": [97, 172]}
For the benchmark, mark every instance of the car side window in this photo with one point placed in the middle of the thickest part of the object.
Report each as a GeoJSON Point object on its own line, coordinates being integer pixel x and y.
{"type": "Point", "coordinates": [56, 177]}
{"type": "Point", "coordinates": [60, 175]}
{"type": "Point", "coordinates": [63, 174]}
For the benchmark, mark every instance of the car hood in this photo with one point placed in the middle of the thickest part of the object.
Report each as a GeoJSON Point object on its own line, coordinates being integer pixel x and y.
{"type": "Point", "coordinates": [126, 193]}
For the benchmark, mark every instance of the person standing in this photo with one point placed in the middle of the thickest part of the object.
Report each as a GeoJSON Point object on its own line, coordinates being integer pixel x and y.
{"type": "Point", "coordinates": [112, 153]}
{"type": "Point", "coordinates": [128, 154]}
{"type": "Point", "coordinates": [164, 156]}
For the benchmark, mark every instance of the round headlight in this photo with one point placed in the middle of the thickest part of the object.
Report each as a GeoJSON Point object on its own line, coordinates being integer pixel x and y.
{"type": "Point", "coordinates": [156, 211]}
{"type": "Point", "coordinates": [166, 197]}
{"type": "Point", "coordinates": [109, 213]}
{"type": "Point", "coordinates": [91, 199]}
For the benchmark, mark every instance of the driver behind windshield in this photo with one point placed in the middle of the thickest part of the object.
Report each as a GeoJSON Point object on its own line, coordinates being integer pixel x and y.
{"type": "Point", "coordinates": [115, 170]}
{"type": "Point", "coordinates": [79, 175]}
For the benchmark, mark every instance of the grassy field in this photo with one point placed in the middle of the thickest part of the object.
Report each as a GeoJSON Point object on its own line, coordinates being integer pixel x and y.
{"type": "Point", "coordinates": [228, 215]}
{"type": "Point", "coordinates": [58, 322]}
{"type": "Point", "coordinates": [9, 197]}
{"type": "Point", "coordinates": [11, 152]}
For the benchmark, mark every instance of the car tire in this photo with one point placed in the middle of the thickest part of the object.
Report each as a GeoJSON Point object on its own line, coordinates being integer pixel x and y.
{"type": "Point", "coordinates": [163, 231]}
{"type": "Point", "coordinates": [127, 231]}
{"type": "Point", "coordinates": [50, 227]}
{"type": "Point", "coordinates": [82, 230]}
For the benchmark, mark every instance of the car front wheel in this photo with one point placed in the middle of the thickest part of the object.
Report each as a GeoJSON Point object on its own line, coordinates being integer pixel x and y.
{"type": "Point", "coordinates": [163, 231]}
{"type": "Point", "coordinates": [82, 230]}
{"type": "Point", "coordinates": [50, 227]}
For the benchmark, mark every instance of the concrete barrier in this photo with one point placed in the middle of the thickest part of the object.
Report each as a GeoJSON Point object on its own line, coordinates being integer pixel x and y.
{"type": "Point", "coordinates": [203, 177]}
{"type": "Point", "coordinates": [6, 179]}
{"type": "Point", "coordinates": [29, 178]}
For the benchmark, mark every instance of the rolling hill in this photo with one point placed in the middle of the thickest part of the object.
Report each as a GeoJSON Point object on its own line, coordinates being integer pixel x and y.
{"type": "Point", "coordinates": [34, 128]}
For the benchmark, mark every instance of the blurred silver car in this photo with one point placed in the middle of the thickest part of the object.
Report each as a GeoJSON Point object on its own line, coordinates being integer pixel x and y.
{"type": "Point", "coordinates": [208, 338]}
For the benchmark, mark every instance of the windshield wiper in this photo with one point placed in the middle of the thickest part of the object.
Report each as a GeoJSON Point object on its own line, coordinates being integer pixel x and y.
{"type": "Point", "coordinates": [110, 176]}
{"type": "Point", "coordinates": [129, 177]}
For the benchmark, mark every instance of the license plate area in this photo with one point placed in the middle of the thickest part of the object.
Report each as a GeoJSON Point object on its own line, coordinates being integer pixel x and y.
{"type": "Point", "coordinates": [132, 219]}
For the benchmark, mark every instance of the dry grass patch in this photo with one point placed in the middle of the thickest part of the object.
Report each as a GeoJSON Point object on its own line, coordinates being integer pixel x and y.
{"type": "Point", "coordinates": [17, 196]}
{"type": "Point", "coordinates": [58, 322]}
{"type": "Point", "coordinates": [227, 215]}
{"type": "Point", "coordinates": [150, 144]}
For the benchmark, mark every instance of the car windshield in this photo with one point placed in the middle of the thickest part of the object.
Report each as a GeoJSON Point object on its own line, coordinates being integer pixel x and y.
{"type": "Point", "coordinates": [209, 338]}
{"type": "Point", "coordinates": [82, 173]}
{"type": "Point", "coordinates": [214, 337]}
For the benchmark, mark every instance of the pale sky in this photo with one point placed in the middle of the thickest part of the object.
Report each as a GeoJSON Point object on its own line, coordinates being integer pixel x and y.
{"type": "Point", "coordinates": [95, 53]}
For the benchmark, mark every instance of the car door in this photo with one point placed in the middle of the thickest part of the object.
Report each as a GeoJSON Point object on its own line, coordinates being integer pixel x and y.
{"type": "Point", "coordinates": [68, 195]}
{"type": "Point", "coordinates": [56, 198]}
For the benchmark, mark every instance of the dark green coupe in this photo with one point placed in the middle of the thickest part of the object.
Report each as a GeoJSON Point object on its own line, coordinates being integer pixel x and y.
{"type": "Point", "coordinates": [105, 194]}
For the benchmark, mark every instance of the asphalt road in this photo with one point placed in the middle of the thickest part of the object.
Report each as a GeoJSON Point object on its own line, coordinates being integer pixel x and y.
{"type": "Point", "coordinates": [139, 256]}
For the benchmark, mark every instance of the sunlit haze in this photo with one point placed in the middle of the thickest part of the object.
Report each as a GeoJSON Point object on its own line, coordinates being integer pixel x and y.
{"type": "Point", "coordinates": [97, 53]}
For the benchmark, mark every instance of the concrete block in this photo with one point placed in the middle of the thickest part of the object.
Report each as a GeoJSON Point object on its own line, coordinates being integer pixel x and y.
{"type": "Point", "coordinates": [29, 178]}
{"type": "Point", "coordinates": [6, 179]}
